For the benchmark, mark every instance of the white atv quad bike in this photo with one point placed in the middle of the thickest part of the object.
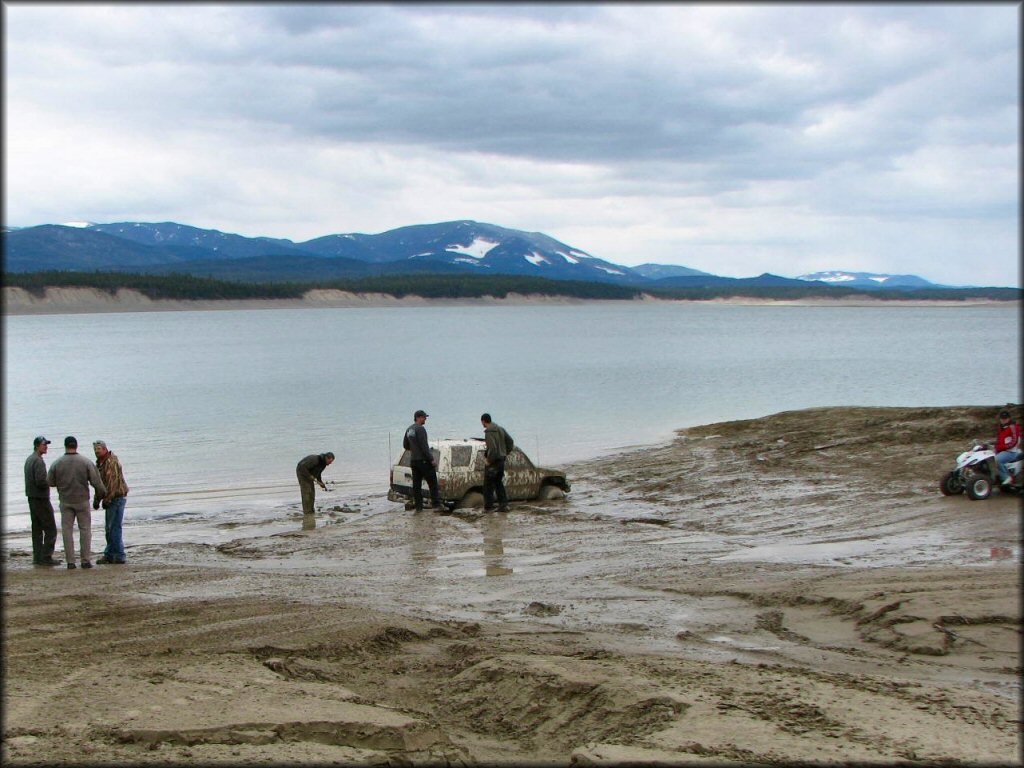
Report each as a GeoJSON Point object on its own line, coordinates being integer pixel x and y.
{"type": "Point", "coordinates": [976, 474]}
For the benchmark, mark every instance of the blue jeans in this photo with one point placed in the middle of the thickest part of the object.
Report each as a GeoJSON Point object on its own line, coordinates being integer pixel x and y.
{"type": "Point", "coordinates": [115, 540]}
{"type": "Point", "coordinates": [1002, 459]}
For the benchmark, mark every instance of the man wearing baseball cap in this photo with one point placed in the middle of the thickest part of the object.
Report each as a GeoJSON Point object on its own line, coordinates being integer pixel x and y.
{"type": "Point", "coordinates": [44, 529]}
{"type": "Point", "coordinates": [422, 462]}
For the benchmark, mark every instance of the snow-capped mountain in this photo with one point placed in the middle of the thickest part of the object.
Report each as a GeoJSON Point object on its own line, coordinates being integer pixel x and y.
{"type": "Point", "coordinates": [454, 246]}
{"type": "Point", "coordinates": [475, 246]}
{"type": "Point", "coordinates": [867, 280]}
{"type": "Point", "coordinates": [451, 247]}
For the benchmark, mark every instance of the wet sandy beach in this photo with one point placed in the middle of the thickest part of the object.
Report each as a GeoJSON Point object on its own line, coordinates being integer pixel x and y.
{"type": "Point", "coordinates": [787, 589]}
{"type": "Point", "coordinates": [68, 300]}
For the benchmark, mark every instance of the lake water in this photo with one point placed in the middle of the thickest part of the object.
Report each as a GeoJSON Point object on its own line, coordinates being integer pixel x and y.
{"type": "Point", "coordinates": [210, 411]}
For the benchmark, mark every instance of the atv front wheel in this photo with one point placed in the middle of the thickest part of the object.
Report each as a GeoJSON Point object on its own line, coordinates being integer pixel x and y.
{"type": "Point", "coordinates": [979, 488]}
{"type": "Point", "coordinates": [951, 484]}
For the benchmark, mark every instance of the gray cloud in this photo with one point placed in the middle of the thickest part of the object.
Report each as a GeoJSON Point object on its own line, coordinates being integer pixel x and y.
{"type": "Point", "coordinates": [890, 118]}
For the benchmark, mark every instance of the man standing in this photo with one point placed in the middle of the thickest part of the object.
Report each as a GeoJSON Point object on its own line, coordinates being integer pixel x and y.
{"type": "Point", "coordinates": [113, 502]}
{"type": "Point", "coordinates": [309, 471]}
{"type": "Point", "coordinates": [44, 529]}
{"type": "Point", "coordinates": [422, 461]}
{"type": "Point", "coordinates": [71, 475]}
{"type": "Point", "coordinates": [498, 445]}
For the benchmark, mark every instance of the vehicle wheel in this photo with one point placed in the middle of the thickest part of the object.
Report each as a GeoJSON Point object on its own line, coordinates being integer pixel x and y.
{"type": "Point", "coordinates": [550, 492]}
{"type": "Point", "coordinates": [951, 484]}
{"type": "Point", "coordinates": [979, 488]}
{"type": "Point", "coordinates": [471, 499]}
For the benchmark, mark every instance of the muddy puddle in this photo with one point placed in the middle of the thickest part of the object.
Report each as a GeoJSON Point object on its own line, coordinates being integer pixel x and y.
{"type": "Point", "coordinates": [587, 560]}
{"type": "Point", "coordinates": [624, 553]}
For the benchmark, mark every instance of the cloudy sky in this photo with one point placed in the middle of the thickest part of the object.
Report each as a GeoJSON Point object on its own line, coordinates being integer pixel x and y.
{"type": "Point", "coordinates": [733, 139]}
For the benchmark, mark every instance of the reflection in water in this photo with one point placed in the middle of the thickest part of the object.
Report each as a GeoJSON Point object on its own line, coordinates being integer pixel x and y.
{"type": "Point", "coordinates": [422, 541]}
{"type": "Point", "coordinates": [494, 525]}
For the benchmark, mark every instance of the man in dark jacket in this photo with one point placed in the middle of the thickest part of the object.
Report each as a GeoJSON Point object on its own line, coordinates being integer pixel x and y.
{"type": "Point", "coordinates": [44, 527]}
{"type": "Point", "coordinates": [422, 461]}
{"type": "Point", "coordinates": [497, 441]}
{"type": "Point", "coordinates": [309, 471]}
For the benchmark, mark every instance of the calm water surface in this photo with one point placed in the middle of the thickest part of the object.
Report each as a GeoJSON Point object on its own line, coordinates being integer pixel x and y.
{"type": "Point", "coordinates": [210, 411]}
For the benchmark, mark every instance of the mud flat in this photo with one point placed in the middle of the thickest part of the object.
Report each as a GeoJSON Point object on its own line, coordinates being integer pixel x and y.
{"type": "Point", "coordinates": [788, 589]}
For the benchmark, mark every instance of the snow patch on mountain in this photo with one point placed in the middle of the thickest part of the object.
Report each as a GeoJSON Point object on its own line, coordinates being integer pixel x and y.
{"type": "Point", "coordinates": [477, 249]}
{"type": "Point", "coordinates": [828, 277]}
{"type": "Point", "coordinates": [78, 224]}
{"type": "Point", "coordinates": [568, 257]}
{"type": "Point", "coordinates": [867, 279]}
{"type": "Point", "coordinates": [837, 277]}
{"type": "Point", "coordinates": [535, 258]}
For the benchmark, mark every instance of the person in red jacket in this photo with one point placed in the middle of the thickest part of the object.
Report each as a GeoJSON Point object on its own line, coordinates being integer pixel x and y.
{"type": "Point", "coordinates": [1008, 445]}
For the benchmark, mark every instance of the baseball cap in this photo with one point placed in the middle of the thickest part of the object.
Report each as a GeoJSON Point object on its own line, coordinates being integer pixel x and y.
{"type": "Point", "coordinates": [420, 413]}
{"type": "Point", "coordinates": [39, 440]}
{"type": "Point", "coordinates": [70, 441]}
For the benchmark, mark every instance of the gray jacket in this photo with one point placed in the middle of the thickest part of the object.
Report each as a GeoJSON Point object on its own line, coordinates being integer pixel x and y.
{"type": "Point", "coordinates": [36, 486]}
{"type": "Point", "coordinates": [71, 475]}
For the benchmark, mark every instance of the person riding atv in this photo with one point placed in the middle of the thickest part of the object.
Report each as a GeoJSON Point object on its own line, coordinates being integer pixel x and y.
{"type": "Point", "coordinates": [983, 466]}
{"type": "Point", "coordinates": [1008, 445]}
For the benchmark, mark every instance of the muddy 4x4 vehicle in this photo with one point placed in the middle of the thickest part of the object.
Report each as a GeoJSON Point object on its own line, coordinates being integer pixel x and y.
{"type": "Point", "coordinates": [460, 475]}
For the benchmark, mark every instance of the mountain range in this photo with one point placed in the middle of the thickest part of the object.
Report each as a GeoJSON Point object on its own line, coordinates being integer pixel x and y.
{"type": "Point", "coordinates": [454, 247]}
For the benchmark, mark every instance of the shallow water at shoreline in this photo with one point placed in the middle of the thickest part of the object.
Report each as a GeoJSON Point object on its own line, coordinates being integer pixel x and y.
{"type": "Point", "coordinates": [209, 411]}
